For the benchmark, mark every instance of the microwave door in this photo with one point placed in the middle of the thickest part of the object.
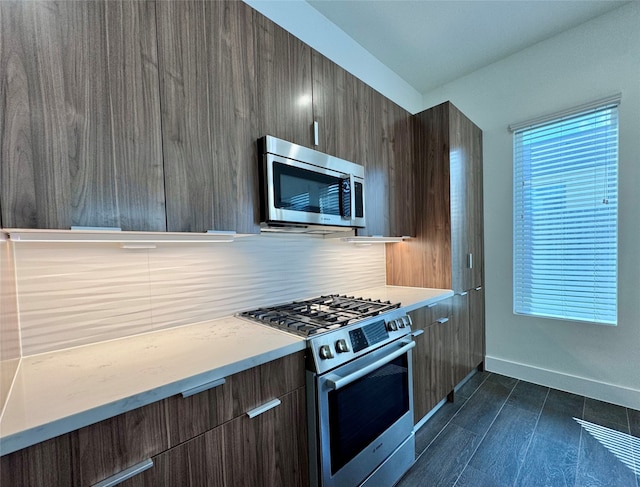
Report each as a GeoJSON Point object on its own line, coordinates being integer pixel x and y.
{"type": "Point", "coordinates": [302, 193]}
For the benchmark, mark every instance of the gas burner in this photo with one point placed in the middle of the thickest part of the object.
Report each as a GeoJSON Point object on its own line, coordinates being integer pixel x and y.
{"type": "Point", "coordinates": [318, 315]}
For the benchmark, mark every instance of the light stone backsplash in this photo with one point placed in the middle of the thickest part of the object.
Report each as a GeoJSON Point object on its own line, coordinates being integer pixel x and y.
{"type": "Point", "coordinates": [74, 294]}
{"type": "Point", "coordinates": [9, 327]}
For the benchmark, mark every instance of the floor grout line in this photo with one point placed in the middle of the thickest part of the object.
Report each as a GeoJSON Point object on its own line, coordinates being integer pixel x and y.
{"type": "Point", "coordinates": [451, 418]}
{"type": "Point", "coordinates": [532, 435]}
{"type": "Point", "coordinates": [485, 433]}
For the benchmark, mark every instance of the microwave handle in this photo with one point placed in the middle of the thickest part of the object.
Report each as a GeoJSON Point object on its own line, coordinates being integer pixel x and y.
{"type": "Point", "coordinates": [352, 185]}
{"type": "Point", "coordinates": [347, 212]}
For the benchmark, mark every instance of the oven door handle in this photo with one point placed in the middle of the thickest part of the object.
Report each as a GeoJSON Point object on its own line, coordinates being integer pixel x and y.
{"type": "Point", "coordinates": [335, 382]}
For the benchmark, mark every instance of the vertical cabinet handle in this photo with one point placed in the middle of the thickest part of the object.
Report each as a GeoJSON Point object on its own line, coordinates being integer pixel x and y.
{"type": "Point", "coordinates": [125, 474]}
{"type": "Point", "coordinates": [263, 409]}
{"type": "Point", "coordinates": [470, 261]}
{"type": "Point", "coordinates": [316, 137]}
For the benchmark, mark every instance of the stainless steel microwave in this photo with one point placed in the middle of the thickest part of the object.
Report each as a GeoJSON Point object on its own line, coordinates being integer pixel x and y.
{"type": "Point", "coordinates": [301, 186]}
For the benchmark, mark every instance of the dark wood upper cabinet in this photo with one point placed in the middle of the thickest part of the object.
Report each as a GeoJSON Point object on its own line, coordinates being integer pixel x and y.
{"type": "Point", "coordinates": [342, 109]}
{"type": "Point", "coordinates": [283, 83]}
{"type": "Point", "coordinates": [145, 116]}
{"type": "Point", "coordinates": [207, 89]}
{"type": "Point", "coordinates": [80, 128]}
{"type": "Point", "coordinates": [358, 124]}
{"type": "Point", "coordinates": [389, 170]}
{"type": "Point", "coordinates": [447, 251]}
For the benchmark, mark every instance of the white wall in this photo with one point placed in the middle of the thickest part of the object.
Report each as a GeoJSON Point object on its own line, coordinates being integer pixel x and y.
{"type": "Point", "coordinates": [594, 60]}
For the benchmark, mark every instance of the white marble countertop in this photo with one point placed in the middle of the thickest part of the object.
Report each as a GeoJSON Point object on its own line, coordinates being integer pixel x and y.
{"type": "Point", "coordinates": [58, 392]}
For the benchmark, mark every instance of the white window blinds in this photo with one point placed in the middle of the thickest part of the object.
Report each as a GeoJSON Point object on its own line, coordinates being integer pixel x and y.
{"type": "Point", "coordinates": [565, 217]}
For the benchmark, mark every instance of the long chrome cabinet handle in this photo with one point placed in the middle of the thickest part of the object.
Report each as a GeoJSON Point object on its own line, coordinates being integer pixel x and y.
{"type": "Point", "coordinates": [316, 136]}
{"type": "Point", "coordinates": [442, 320]}
{"type": "Point", "coordinates": [125, 474]}
{"type": "Point", "coordinates": [203, 387]}
{"type": "Point", "coordinates": [336, 382]}
{"type": "Point", "coordinates": [264, 408]}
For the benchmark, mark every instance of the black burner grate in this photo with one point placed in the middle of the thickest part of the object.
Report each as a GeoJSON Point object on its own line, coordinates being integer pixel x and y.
{"type": "Point", "coordinates": [318, 315]}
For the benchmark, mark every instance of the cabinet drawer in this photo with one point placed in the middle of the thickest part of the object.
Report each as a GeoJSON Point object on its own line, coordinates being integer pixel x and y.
{"type": "Point", "coordinates": [117, 443]}
{"type": "Point", "coordinates": [193, 415]}
{"type": "Point", "coordinates": [427, 315]}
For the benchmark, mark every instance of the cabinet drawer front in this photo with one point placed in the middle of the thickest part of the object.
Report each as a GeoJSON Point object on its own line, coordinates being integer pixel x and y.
{"type": "Point", "coordinates": [192, 415]}
{"type": "Point", "coordinates": [428, 315]}
{"type": "Point", "coordinates": [269, 449]}
{"type": "Point", "coordinates": [115, 444]}
{"type": "Point", "coordinates": [195, 463]}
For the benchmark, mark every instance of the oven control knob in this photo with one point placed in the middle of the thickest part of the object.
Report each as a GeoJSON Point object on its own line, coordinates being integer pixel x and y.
{"type": "Point", "coordinates": [392, 325]}
{"type": "Point", "coordinates": [341, 346]}
{"type": "Point", "coordinates": [325, 352]}
{"type": "Point", "coordinates": [400, 322]}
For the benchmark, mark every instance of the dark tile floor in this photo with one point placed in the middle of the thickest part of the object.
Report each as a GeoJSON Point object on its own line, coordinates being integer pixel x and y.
{"type": "Point", "coordinates": [501, 432]}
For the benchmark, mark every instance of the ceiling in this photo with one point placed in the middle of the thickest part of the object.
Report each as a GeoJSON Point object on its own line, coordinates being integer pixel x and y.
{"type": "Point", "coordinates": [431, 42]}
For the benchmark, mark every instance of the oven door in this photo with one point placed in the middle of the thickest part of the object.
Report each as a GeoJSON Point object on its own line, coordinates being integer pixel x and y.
{"type": "Point", "coordinates": [365, 412]}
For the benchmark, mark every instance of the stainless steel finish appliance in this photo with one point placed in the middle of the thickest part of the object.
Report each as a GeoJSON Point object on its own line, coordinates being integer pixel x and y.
{"type": "Point", "coordinates": [359, 387]}
{"type": "Point", "coordinates": [301, 186]}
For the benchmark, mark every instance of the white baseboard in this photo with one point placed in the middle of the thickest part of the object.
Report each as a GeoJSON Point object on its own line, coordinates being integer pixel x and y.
{"type": "Point", "coordinates": [603, 391]}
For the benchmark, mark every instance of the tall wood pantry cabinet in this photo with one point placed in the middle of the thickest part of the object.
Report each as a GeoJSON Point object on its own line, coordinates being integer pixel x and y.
{"type": "Point", "coordinates": [448, 251]}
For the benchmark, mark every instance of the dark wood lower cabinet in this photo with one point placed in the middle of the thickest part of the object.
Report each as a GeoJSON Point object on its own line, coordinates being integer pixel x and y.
{"type": "Point", "coordinates": [450, 347]}
{"type": "Point", "coordinates": [476, 326]}
{"type": "Point", "coordinates": [270, 449]}
{"type": "Point", "coordinates": [198, 462]}
{"type": "Point", "coordinates": [432, 359]}
{"type": "Point", "coordinates": [45, 464]}
{"type": "Point", "coordinates": [461, 360]}
{"type": "Point", "coordinates": [267, 450]}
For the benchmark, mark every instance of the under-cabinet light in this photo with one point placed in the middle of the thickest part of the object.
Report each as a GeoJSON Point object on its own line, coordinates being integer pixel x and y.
{"type": "Point", "coordinates": [113, 235]}
{"type": "Point", "coordinates": [375, 239]}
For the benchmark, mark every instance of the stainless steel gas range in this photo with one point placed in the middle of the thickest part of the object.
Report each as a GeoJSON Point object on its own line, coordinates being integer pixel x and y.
{"type": "Point", "coordinates": [359, 386]}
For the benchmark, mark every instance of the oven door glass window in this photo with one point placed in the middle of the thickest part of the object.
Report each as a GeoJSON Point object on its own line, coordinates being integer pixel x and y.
{"type": "Point", "coordinates": [307, 191]}
{"type": "Point", "coordinates": [361, 411]}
